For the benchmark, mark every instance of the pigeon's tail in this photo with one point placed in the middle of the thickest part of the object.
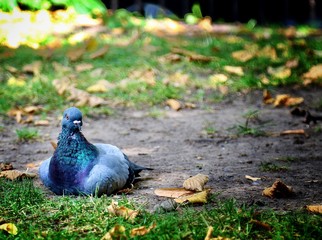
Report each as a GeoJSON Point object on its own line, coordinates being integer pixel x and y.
{"type": "Point", "coordinates": [134, 171]}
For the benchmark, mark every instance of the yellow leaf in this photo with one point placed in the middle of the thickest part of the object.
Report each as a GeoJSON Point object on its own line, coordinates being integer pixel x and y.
{"type": "Point", "coordinates": [100, 87]}
{"type": "Point", "coordinates": [140, 231]}
{"type": "Point", "coordinates": [267, 97]}
{"type": "Point", "coordinates": [15, 174]}
{"type": "Point", "coordinates": [278, 190]}
{"type": "Point", "coordinates": [16, 82]}
{"type": "Point", "coordinates": [174, 104]}
{"type": "Point", "coordinates": [10, 228]}
{"type": "Point", "coordinates": [210, 237]}
{"type": "Point", "coordinates": [117, 232]}
{"type": "Point", "coordinates": [145, 75]}
{"type": "Point", "coordinates": [31, 109]}
{"type": "Point", "coordinates": [268, 52]}
{"type": "Point", "coordinates": [170, 58]}
{"type": "Point", "coordinates": [279, 72]}
{"type": "Point", "coordinates": [122, 211]}
{"type": "Point", "coordinates": [314, 208]}
{"type": "Point", "coordinates": [217, 79]}
{"type": "Point", "coordinates": [192, 56]}
{"type": "Point", "coordinates": [243, 55]}
{"type": "Point", "coordinates": [254, 179]}
{"type": "Point", "coordinates": [200, 197]}
{"type": "Point", "coordinates": [172, 192]}
{"type": "Point", "coordinates": [196, 183]}
{"type": "Point", "coordinates": [287, 100]}
{"type": "Point", "coordinates": [235, 70]}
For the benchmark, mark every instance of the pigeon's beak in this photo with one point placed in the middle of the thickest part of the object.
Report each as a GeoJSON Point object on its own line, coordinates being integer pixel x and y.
{"type": "Point", "coordinates": [78, 124]}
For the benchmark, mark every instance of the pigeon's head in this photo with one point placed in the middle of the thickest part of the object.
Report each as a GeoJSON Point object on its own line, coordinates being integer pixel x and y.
{"type": "Point", "coordinates": [72, 119]}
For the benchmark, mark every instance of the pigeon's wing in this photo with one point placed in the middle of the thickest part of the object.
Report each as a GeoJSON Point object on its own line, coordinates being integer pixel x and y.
{"type": "Point", "coordinates": [110, 172]}
{"type": "Point", "coordinates": [44, 174]}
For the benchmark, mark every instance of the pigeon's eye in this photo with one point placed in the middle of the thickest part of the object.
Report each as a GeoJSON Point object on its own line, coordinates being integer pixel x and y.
{"type": "Point", "coordinates": [67, 117]}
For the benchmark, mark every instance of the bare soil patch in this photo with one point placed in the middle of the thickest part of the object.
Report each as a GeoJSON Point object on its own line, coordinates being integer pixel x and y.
{"type": "Point", "coordinates": [177, 146]}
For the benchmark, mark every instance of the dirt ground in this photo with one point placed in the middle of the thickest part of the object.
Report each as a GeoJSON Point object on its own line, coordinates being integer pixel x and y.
{"type": "Point", "coordinates": [176, 145]}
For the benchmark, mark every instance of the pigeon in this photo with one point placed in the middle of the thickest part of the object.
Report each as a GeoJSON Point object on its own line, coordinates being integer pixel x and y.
{"type": "Point", "coordinates": [79, 167]}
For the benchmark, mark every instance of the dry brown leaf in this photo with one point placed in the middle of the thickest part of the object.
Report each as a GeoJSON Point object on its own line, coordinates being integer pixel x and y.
{"type": "Point", "coordinates": [31, 109]}
{"type": "Point", "coordinates": [217, 79]}
{"type": "Point", "coordinates": [83, 67]}
{"type": "Point", "coordinates": [177, 79]}
{"type": "Point", "coordinates": [314, 208]}
{"type": "Point", "coordinates": [279, 72]}
{"type": "Point", "coordinates": [15, 174]}
{"type": "Point", "coordinates": [314, 73]}
{"type": "Point", "coordinates": [122, 211]}
{"type": "Point", "coordinates": [292, 63]}
{"type": "Point", "coordinates": [174, 104]}
{"type": "Point", "coordinates": [140, 231]}
{"type": "Point", "coordinates": [210, 237]}
{"type": "Point", "coordinates": [278, 190]}
{"type": "Point", "coordinates": [116, 232]}
{"type": "Point", "coordinates": [287, 100]}
{"type": "Point", "coordinates": [196, 183]}
{"type": "Point", "coordinates": [76, 53]}
{"type": "Point", "coordinates": [261, 225]}
{"type": "Point", "coordinates": [170, 58]}
{"type": "Point", "coordinates": [11, 69]}
{"type": "Point", "coordinates": [268, 52]}
{"type": "Point", "coordinates": [61, 68]}
{"type": "Point", "coordinates": [62, 85]}
{"type": "Point", "coordinates": [243, 55]}
{"type": "Point", "coordinates": [192, 56]}
{"type": "Point", "coordinates": [100, 87]}
{"type": "Point", "coordinates": [235, 70]}
{"type": "Point", "coordinates": [5, 166]}
{"type": "Point", "coordinates": [294, 131]}
{"type": "Point", "coordinates": [254, 179]}
{"type": "Point", "coordinates": [267, 97]}
{"type": "Point", "coordinates": [53, 144]}
{"type": "Point", "coordinates": [144, 75]}
{"type": "Point", "coordinates": [33, 68]}
{"type": "Point", "coordinates": [172, 192]}
{"type": "Point", "coordinates": [42, 123]}
{"type": "Point", "coordinates": [200, 197]}
{"type": "Point", "coordinates": [100, 52]}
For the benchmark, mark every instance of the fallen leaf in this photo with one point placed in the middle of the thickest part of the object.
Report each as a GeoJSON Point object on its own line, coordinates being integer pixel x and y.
{"type": "Point", "coordinates": [243, 55]}
{"type": "Point", "coordinates": [83, 67]}
{"type": "Point", "coordinates": [292, 63]}
{"type": "Point", "coordinates": [261, 225]}
{"type": "Point", "coordinates": [172, 192]}
{"type": "Point", "coordinates": [294, 131]}
{"type": "Point", "coordinates": [100, 87]}
{"type": "Point", "coordinates": [76, 53]}
{"type": "Point", "coordinates": [33, 68]}
{"type": "Point", "coordinates": [16, 82]}
{"type": "Point", "coordinates": [267, 97]}
{"type": "Point", "coordinates": [279, 72]}
{"type": "Point", "coordinates": [314, 208]}
{"type": "Point", "coordinates": [210, 237]}
{"type": "Point", "coordinates": [192, 56]}
{"type": "Point", "coordinates": [9, 228]}
{"type": "Point", "coordinates": [140, 231]}
{"type": "Point", "coordinates": [235, 70]}
{"type": "Point", "coordinates": [196, 183]}
{"type": "Point", "coordinates": [53, 144]}
{"type": "Point", "coordinates": [15, 174]}
{"type": "Point", "coordinates": [170, 58]}
{"type": "Point", "coordinates": [268, 52]}
{"type": "Point", "coordinates": [122, 211]}
{"type": "Point", "coordinates": [254, 179]}
{"type": "Point", "coordinates": [31, 109]}
{"type": "Point", "coordinates": [5, 166]}
{"type": "Point", "coordinates": [278, 190]}
{"type": "Point", "coordinates": [62, 85]}
{"type": "Point", "coordinates": [11, 69]}
{"type": "Point", "coordinates": [42, 123]}
{"type": "Point", "coordinates": [200, 197]}
{"type": "Point", "coordinates": [174, 104]}
{"type": "Point", "coordinates": [100, 52]}
{"type": "Point", "coordinates": [116, 232]}
{"type": "Point", "coordinates": [177, 79]}
{"type": "Point", "coordinates": [287, 100]}
{"type": "Point", "coordinates": [314, 72]}
{"type": "Point", "coordinates": [217, 79]}
{"type": "Point", "coordinates": [61, 68]}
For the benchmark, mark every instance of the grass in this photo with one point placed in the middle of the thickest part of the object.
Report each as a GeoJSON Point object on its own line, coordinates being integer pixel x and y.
{"type": "Point", "coordinates": [120, 62]}
{"type": "Point", "coordinates": [26, 134]}
{"type": "Point", "coordinates": [272, 167]}
{"type": "Point", "coordinates": [37, 216]}
{"type": "Point", "coordinates": [251, 116]}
